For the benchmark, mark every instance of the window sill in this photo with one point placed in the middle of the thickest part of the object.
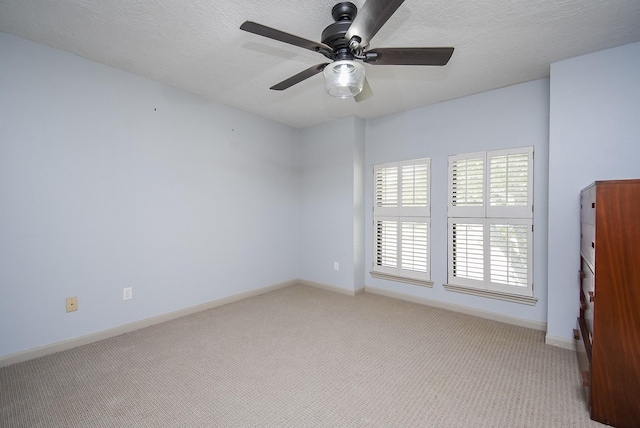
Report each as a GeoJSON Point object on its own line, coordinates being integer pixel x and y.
{"type": "Point", "coordinates": [412, 281]}
{"type": "Point", "coordinates": [513, 298]}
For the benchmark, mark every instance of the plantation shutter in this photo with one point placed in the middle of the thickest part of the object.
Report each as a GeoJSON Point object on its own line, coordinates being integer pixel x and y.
{"type": "Point", "coordinates": [386, 189]}
{"type": "Point", "coordinates": [386, 246]}
{"type": "Point", "coordinates": [414, 188]}
{"type": "Point", "coordinates": [467, 255]}
{"type": "Point", "coordinates": [510, 183]}
{"type": "Point", "coordinates": [491, 220]}
{"type": "Point", "coordinates": [510, 256]}
{"type": "Point", "coordinates": [414, 260]}
{"type": "Point", "coordinates": [401, 222]}
{"type": "Point", "coordinates": [509, 253]}
{"type": "Point", "coordinates": [466, 185]}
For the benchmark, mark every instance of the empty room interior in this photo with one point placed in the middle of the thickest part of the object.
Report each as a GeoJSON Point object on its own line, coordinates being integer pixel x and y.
{"type": "Point", "coordinates": [181, 245]}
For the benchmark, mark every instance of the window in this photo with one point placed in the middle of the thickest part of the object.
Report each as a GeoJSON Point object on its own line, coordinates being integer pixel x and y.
{"type": "Point", "coordinates": [490, 222]}
{"type": "Point", "coordinates": [401, 221]}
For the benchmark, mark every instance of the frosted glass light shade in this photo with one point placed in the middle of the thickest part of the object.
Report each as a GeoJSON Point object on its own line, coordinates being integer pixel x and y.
{"type": "Point", "coordinates": [344, 79]}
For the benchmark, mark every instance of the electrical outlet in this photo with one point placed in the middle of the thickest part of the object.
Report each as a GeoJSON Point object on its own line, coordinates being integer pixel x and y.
{"type": "Point", "coordinates": [72, 304]}
{"type": "Point", "coordinates": [127, 293]}
{"type": "Point", "coordinates": [336, 266]}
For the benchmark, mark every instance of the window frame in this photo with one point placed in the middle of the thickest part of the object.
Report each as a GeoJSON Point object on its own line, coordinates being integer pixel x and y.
{"type": "Point", "coordinates": [513, 215]}
{"type": "Point", "coordinates": [388, 188]}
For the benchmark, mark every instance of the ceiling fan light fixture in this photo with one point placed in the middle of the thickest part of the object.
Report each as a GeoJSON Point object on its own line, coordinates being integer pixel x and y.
{"type": "Point", "coordinates": [344, 79]}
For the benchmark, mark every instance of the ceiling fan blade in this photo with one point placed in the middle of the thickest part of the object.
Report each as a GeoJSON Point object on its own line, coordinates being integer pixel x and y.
{"type": "Point", "coordinates": [370, 18]}
{"type": "Point", "coordinates": [366, 92]}
{"type": "Point", "coordinates": [309, 72]}
{"type": "Point", "coordinates": [272, 33]}
{"type": "Point", "coordinates": [409, 56]}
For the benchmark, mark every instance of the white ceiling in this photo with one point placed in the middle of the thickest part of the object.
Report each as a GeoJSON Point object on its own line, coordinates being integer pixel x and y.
{"type": "Point", "coordinates": [197, 46]}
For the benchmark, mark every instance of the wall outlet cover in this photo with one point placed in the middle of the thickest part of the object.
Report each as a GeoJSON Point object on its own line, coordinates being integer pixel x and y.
{"type": "Point", "coordinates": [72, 304]}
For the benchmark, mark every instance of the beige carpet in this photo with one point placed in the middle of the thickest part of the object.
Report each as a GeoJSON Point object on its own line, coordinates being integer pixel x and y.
{"type": "Point", "coordinates": [304, 357]}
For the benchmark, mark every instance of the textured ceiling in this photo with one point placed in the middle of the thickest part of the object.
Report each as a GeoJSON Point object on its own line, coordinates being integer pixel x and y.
{"type": "Point", "coordinates": [197, 46]}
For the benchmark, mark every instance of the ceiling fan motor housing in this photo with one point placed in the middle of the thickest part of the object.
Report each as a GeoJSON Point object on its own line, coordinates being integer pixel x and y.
{"type": "Point", "coordinates": [334, 35]}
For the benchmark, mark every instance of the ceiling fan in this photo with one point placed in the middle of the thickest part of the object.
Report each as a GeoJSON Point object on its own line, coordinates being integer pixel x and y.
{"type": "Point", "coordinates": [345, 42]}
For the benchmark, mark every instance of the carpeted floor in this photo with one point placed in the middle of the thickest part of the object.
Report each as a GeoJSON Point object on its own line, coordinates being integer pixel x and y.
{"type": "Point", "coordinates": [304, 357]}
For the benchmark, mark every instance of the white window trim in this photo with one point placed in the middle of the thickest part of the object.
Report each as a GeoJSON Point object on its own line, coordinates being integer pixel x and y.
{"type": "Point", "coordinates": [508, 297]}
{"type": "Point", "coordinates": [402, 214]}
{"type": "Point", "coordinates": [487, 215]}
{"type": "Point", "coordinates": [397, 278]}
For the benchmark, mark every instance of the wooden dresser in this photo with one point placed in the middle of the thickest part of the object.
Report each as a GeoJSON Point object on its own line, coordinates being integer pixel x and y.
{"type": "Point", "coordinates": [608, 334]}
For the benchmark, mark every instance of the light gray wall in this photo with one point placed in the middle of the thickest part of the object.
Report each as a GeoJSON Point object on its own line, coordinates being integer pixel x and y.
{"type": "Point", "coordinates": [514, 116]}
{"type": "Point", "coordinates": [108, 180]}
{"type": "Point", "coordinates": [594, 135]}
{"type": "Point", "coordinates": [331, 159]}
{"type": "Point", "coordinates": [359, 224]}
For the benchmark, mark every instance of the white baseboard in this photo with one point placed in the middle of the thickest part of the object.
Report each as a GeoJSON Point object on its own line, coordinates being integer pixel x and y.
{"type": "Point", "coordinates": [331, 288]}
{"type": "Point", "coordinates": [560, 342]}
{"type": "Point", "coordinates": [535, 325]}
{"type": "Point", "coordinates": [64, 345]}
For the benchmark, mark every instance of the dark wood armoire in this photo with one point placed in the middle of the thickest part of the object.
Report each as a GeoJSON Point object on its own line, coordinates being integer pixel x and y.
{"type": "Point", "coordinates": [609, 324]}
